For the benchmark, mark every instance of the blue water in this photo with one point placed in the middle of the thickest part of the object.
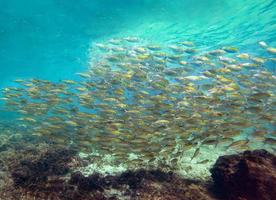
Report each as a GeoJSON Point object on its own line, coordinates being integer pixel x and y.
{"type": "Point", "coordinates": [50, 39]}
{"type": "Point", "coordinates": [55, 39]}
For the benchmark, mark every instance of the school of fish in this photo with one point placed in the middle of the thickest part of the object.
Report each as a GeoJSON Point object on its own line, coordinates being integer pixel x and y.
{"type": "Point", "coordinates": [154, 101]}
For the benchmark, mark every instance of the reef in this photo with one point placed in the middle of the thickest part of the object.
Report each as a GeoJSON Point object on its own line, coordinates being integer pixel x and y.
{"type": "Point", "coordinates": [139, 184]}
{"type": "Point", "coordinates": [250, 175]}
{"type": "Point", "coordinates": [49, 175]}
{"type": "Point", "coordinates": [33, 170]}
{"type": "Point", "coordinates": [52, 174]}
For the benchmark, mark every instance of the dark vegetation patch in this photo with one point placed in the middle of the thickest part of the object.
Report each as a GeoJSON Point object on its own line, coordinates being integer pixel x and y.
{"type": "Point", "coordinates": [132, 179]}
{"type": "Point", "coordinates": [139, 184]}
{"type": "Point", "coordinates": [30, 173]}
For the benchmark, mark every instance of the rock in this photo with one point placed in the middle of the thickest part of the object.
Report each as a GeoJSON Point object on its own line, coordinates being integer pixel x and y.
{"type": "Point", "coordinates": [250, 175]}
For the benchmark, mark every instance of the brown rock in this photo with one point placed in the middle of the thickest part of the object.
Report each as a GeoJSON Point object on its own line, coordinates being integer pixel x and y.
{"type": "Point", "coordinates": [250, 175]}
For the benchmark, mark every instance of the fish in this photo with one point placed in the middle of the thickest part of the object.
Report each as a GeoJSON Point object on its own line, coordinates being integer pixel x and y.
{"type": "Point", "coordinates": [194, 78]}
{"type": "Point", "coordinates": [131, 39]}
{"type": "Point", "coordinates": [115, 41]}
{"type": "Point", "coordinates": [203, 161]}
{"type": "Point", "coordinates": [182, 62]}
{"type": "Point", "coordinates": [187, 43]}
{"type": "Point", "coordinates": [196, 153]}
{"type": "Point", "coordinates": [19, 80]}
{"type": "Point", "coordinates": [227, 59]}
{"type": "Point", "coordinates": [238, 143]}
{"type": "Point", "coordinates": [83, 75]}
{"type": "Point", "coordinates": [141, 50]}
{"type": "Point", "coordinates": [168, 98]}
{"type": "Point", "coordinates": [270, 141]}
{"type": "Point", "coordinates": [176, 49]}
{"type": "Point", "coordinates": [210, 141]}
{"type": "Point", "coordinates": [27, 119]}
{"type": "Point", "coordinates": [102, 46]}
{"type": "Point", "coordinates": [161, 122]}
{"type": "Point", "coordinates": [230, 49]}
{"type": "Point", "coordinates": [258, 60]}
{"type": "Point", "coordinates": [154, 47]}
{"type": "Point", "coordinates": [190, 50]}
{"type": "Point", "coordinates": [216, 52]}
{"type": "Point", "coordinates": [243, 56]}
{"type": "Point", "coordinates": [263, 44]}
{"type": "Point", "coordinates": [271, 50]}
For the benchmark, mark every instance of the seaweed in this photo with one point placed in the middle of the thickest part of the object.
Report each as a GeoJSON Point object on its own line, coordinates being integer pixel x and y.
{"type": "Point", "coordinates": [30, 173]}
{"type": "Point", "coordinates": [92, 182]}
{"type": "Point", "coordinates": [133, 179]}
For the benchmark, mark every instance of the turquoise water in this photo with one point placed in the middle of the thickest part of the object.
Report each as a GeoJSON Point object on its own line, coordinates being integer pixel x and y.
{"type": "Point", "coordinates": [53, 40]}
{"type": "Point", "coordinates": [50, 39]}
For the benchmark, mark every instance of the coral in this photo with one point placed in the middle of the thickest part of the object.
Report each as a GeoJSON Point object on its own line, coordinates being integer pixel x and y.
{"type": "Point", "coordinates": [250, 175]}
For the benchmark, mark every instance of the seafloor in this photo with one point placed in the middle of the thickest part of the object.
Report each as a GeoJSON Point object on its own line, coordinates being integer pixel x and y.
{"type": "Point", "coordinates": [41, 171]}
